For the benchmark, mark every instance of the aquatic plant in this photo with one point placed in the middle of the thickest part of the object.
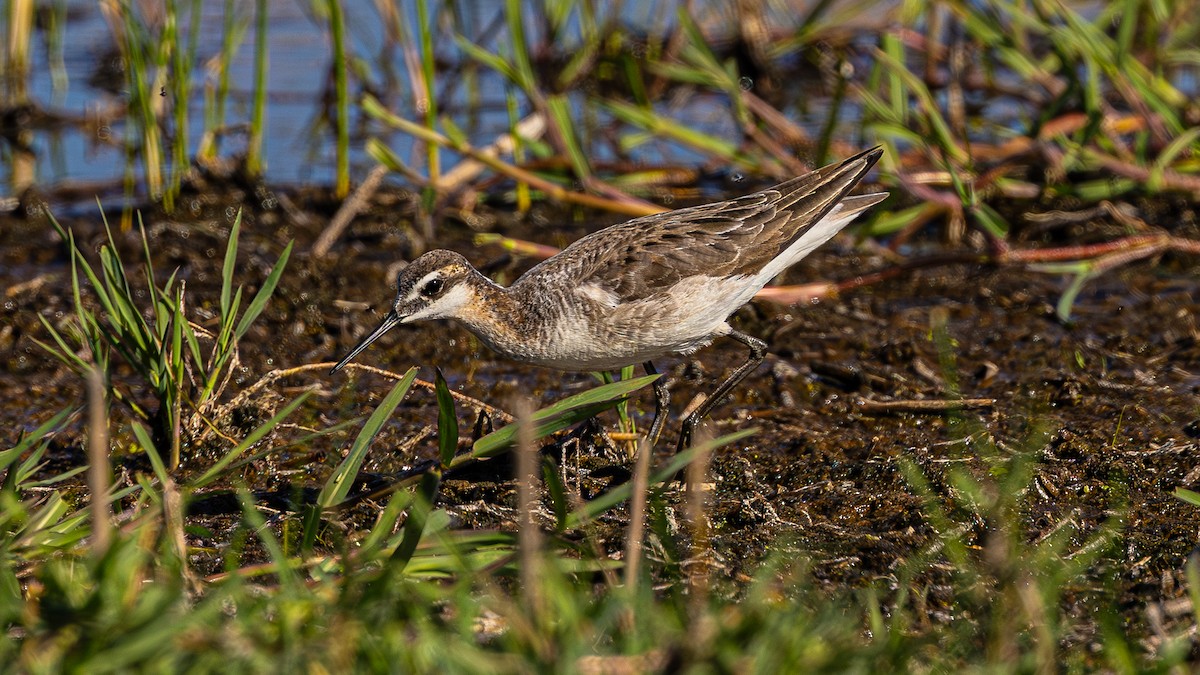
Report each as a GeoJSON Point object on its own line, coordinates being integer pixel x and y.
{"type": "Point", "coordinates": [158, 342]}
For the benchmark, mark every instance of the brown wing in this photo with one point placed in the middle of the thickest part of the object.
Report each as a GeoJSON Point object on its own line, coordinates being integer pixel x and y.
{"type": "Point", "coordinates": [644, 256]}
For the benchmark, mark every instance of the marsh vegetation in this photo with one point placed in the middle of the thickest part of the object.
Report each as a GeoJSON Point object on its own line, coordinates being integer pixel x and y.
{"type": "Point", "coordinates": [973, 445]}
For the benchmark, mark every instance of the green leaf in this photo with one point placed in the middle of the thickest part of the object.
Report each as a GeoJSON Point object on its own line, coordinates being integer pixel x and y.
{"type": "Point", "coordinates": [283, 567]}
{"type": "Point", "coordinates": [516, 15]}
{"type": "Point", "coordinates": [264, 293]}
{"type": "Point", "coordinates": [1190, 497]}
{"type": "Point", "coordinates": [487, 58]}
{"type": "Point", "coordinates": [414, 525]}
{"type": "Point", "coordinates": [385, 524]}
{"type": "Point", "coordinates": [380, 152]}
{"type": "Point", "coordinates": [255, 436]}
{"type": "Point", "coordinates": [156, 461]}
{"type": "Point", "coordinates": [38, 435]}
{"type": "Point", "coordinates": [454, 132]}
{"type": "Point", "coordinates": [447, 421]}
{"type": "Point", "coordinates": [63, 353]}
{"type": "Point", "coordinates": [338, 485]}
{"type": "Point", "coordinates": [560, 113]}
{"type": "Point", "coordinates": [560, 415]}
{"type": "Point", "coordinates": [622, 492]}
{"type": "Point", "coordinates": [228, 266]}
{"type": "Point", "coordinates": [558, 494]}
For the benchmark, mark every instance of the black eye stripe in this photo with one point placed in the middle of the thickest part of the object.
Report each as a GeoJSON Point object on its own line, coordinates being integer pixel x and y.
{"type": "Point", "coordinates": [432, 287]}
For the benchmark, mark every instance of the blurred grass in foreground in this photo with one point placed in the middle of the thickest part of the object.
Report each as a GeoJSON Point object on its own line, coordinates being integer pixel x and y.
{"type": "Point", "coordinates": [1097, 115]}
{"type": "Point", "coordinates": [410, 594]}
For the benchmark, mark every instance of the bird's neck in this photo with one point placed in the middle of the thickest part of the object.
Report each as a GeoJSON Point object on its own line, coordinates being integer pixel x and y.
{"type": "Point", "coordinates": [502, 318]}
{"type": "Point", "coordinates": [511, 321]}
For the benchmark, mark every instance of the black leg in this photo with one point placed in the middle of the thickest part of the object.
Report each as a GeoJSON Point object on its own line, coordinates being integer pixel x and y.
{"type": "Point", "coordinates": [758, 352]}
{"type": "Point", "coordinates": [662, 398]}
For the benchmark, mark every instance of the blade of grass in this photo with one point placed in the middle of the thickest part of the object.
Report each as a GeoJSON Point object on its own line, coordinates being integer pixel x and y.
{"type": "Point", "coordinates": [254, 437]}
{"type": "Point", "coordinates": [338, 485]}
{"type": "Point", "coordinates": [560, 415]}
{"type": "Point", "coordinates": [42, 433]}
{"type": "Point", "coordinates": [590, 510]}
{"type": "Point", "coordinates": [341, 99]}
{"type": "Point", "coordinates": [414, 525]}
{"type": "Point", "coordinates": [254, 144]}
{"type": "Point", "coordinates": [283, 565]}
{"type": "Point", "coordinates": [447, 421]}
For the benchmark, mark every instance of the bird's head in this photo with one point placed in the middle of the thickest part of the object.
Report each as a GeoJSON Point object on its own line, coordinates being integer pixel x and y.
{"type": "Point", "coordinates": [436, 285]}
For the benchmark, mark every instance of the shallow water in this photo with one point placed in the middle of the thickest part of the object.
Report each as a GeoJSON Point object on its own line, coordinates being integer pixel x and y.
{"type": "Point", "coordinates": [82, 144]}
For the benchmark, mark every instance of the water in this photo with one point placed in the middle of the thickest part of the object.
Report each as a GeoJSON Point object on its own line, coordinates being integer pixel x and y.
{"type": "Point", "coordinates": [89, 150]}
{"type": "Point", "coordinates": [299, 56]}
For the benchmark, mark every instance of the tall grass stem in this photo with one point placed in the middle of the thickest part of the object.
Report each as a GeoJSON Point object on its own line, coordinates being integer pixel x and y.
{"type": "Point", "coordinates": [337, 28]}
{"type": "Point", "coordinates": [254, 158]}
{"type": "Point", "coordinates": [427, 98]}
{"type": "Point", "coordinates": [529, 537]}
{"type": "Point", "coordinates": [98, 467]}
{"type": "Point", "coordinates": [637, 516]}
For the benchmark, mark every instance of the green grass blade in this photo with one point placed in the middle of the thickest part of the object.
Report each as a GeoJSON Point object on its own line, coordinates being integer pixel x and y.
{"type": "Point", "coordinates": [254, 160]}
{"type": "Point", "coordinates": [39, 435]}
{"type": "Point", "coordinates": [255, 436]}
{"type": "Point", "coordinates": [414, 524]}
{"type": "Point", "coordinates": [560, 415]}
{"type": "Point", "coordinates": [338, 485]}
{"type": "Point", "coordinates": [283, 566]}
{"type": "Point", "coordinates": [380, 152]}
{"type": "Point", "coordinates": [447, 421]}
{"type": "Point", "coordinates": [264, 293]}
{"type": "Point", "coordinates": [1190, 497]}
{"type": "Point", "coordinates": [560, 113]}
{"type": "Point", "coordinates": [590, 510]}
{"type": "Point", "coordinates": [61, 352]}
{"type": "Point", "coordinates": [156, 460]}
{"type": "Point", "coordinates": [428, 77]}
{"type": "Point", "coordinates": [490, 60]}
{"type": "Point", "coordinates": [515, 15]}
{"type": "Point", "coordinates": [229, 264]}
{"type": "Point", "coordinates": [557, 492]}
{"type": "Point", "coordinates": [385, 524]}
{"type": "Point", "coordinates": [337, 29]}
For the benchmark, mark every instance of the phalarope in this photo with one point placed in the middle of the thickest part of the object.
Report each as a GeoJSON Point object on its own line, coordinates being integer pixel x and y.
{"type": "Point", "coordinates": [636, 291]}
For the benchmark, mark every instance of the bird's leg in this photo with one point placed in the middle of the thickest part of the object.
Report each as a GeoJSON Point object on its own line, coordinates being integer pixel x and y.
{"type": "Point", "coordinates": [758, 352]}
{"type": "Point", "coordinates": [662, 398]}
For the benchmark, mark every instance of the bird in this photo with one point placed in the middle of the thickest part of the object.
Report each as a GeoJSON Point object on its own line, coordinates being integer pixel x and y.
{"type": "Point", "coordinates": [636, 291]}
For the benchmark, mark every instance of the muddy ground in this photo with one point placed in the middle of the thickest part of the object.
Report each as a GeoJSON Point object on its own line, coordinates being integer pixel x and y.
{"type": "Point", "coordinates": [1106, 404]}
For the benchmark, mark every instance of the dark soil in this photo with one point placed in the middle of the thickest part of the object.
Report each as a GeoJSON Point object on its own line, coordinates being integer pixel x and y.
{"type": "Point", "coordinates": [1106, 406]}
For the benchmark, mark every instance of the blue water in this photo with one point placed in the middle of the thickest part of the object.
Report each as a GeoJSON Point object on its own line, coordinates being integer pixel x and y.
{"type": "Point", "coordinates": [299, 145]}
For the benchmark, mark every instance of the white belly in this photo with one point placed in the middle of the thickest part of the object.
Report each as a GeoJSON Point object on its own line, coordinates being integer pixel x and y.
{"type": "Point", "coordinates": [680, 322]}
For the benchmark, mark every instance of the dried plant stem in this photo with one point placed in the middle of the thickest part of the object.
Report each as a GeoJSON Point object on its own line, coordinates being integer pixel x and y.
{"type": "Point", "coordinates": [637, 515]}
{"type": "Point", "coordinates": [350, 208]}
{"type": "Point", "coordinates": [698, 576]}
{"type": "Point", "coordinates": [529, 537]}
{"type": "Point", "coordinates": [98, 469]}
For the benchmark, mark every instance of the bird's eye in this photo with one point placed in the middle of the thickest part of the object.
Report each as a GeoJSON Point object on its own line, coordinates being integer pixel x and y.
{"type": "Point", "coordinates": [432, 288]}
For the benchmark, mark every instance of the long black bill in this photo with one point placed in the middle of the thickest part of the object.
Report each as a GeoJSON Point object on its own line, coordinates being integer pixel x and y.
{"type": "Point", "coordinates": [389, 322]}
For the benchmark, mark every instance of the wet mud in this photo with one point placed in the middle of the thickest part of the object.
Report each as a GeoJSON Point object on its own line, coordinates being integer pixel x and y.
{"type": "Point", "coordinates": [1104, 406]}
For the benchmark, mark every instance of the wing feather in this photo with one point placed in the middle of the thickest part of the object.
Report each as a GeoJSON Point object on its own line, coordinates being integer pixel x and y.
{"type": "Point", "coordinates": [646, 256]}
